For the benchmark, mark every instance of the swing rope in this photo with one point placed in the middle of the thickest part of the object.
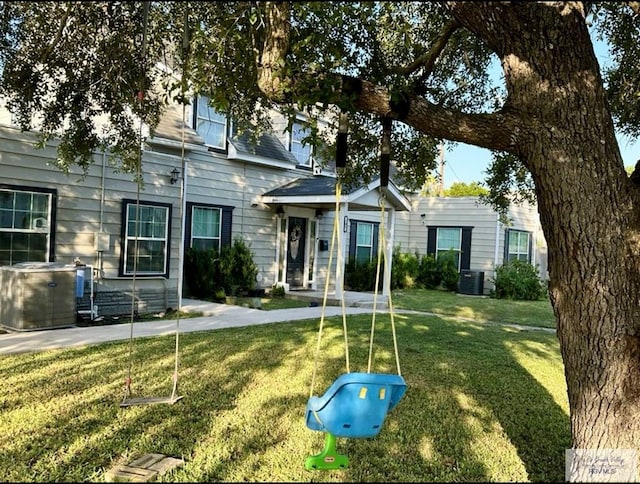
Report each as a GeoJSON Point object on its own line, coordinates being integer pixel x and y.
{"type": "Point", "coordinates": [174, 393]}
{"type": "Point", "coordinates": [145, 21]}
{"type": "Point", "coordinates": [335, 236]}
{"type": "Point", "coordinates": [382, 256]}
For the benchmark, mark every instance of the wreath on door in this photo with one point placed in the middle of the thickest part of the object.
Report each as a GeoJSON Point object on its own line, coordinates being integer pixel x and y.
{"type": "Point", "coordinates": [294, 241]}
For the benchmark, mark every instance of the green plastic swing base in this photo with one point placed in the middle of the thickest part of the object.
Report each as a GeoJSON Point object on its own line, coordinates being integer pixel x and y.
{"type": "Point", "coordinates": [328, 459]}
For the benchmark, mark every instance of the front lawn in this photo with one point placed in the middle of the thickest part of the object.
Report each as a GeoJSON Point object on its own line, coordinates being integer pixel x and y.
{"type": "Point", "coordinates": [479, 308]}
{"type": "Point", "coordinates": [483, 403]}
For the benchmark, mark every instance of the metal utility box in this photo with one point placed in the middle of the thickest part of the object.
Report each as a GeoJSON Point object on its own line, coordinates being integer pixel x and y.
{"type": "Point", "coordinates": [471, 282]}
{"type": "Point", "coordinates": [37, 295]}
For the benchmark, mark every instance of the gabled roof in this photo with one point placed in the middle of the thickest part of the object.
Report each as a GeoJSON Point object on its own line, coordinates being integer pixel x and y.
{"type": "Point", "coordinates": [319, 192]}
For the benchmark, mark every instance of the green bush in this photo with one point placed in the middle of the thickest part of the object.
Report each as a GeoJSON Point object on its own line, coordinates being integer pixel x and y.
{"type": "Point", "coordinates": [518, 280]}
{"type": "Point", "coordinates": [201, 274]}
{"type": "Point", "coordinates": [448, 269]}
{"type": "Point", "coordinates": [361, 276]}
{"type": "Point", "coordinates": [277, 291]}
{"type": "Point", "coordinates": [237, 268]}
{"type": "Point", "coordinates": [404, 270]}
{"type": "Point", "coordinates": [210, 275]}
{"type": "Point", "coordinates": [429, 273]}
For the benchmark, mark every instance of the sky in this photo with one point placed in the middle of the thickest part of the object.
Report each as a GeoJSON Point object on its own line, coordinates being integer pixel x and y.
{"type": "Point", "coordinates": [467, 164]}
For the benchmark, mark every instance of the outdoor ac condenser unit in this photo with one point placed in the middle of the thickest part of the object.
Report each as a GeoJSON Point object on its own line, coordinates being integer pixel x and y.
{"type": "Point", "coordinates": [37, 295]}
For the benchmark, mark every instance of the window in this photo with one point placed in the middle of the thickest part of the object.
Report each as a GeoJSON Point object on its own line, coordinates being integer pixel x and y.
{"type": "Point", "coordinates": [298, 148]}
{"type": "Point", "coordinates": [449, 241]}
{"type": "Point", "coordinates": [151, 223]}
{"type": "Point", "coordinates": [208, 226]}
{"type": "Point", "coordinates": [25, 225]}
{"type": "Point", "coordinates": [517, 245]}
{"type": "Point", "coordinates": [210, 124]}
{"type": "Point", "coordinates": [205, 228]}
{"type": "Point", "coordinates": [363, 241]}
{"type": "Point", "coordinates": [441, 240]}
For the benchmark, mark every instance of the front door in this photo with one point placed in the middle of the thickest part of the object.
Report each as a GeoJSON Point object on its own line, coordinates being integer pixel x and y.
{"type": "Point", "coordinates": [297, 235]}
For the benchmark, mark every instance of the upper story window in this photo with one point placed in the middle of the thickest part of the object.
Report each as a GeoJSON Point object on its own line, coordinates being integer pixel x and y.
{"type": "Point", "coordinates": [210, 124]}
{"type": "Point", "coordinates": [146, 238]}
{"type": "Point", "coordinates": [25, 226]}
{"type": "Point", "coordinates": [518, 245]}
{"type": "Point", "coordinates": [297, 146]}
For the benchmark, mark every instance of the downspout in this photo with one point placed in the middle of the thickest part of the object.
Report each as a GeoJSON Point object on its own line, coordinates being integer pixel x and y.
{"type": "Point", "coordinates": [497, 244]}
{"type": "Point", "coordinates": [183, 211]}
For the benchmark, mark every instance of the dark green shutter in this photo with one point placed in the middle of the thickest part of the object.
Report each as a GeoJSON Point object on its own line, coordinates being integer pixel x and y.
{"type": "Point", "coordinates": [432, 234]}
{"type": "Point", "coordinates": [505, 257]}
{"type": "Point", "coordinates": [465, 257]}
{"type": "Point", "coordinates": [227, 218]}
{"type": "Point", "coordinates": [374, 248]}
{"type": "Point", "coordinates": [352, 239]}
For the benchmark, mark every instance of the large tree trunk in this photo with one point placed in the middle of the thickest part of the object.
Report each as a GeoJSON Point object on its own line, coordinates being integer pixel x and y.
{"type": "Point", "coordinates": [588, 208]}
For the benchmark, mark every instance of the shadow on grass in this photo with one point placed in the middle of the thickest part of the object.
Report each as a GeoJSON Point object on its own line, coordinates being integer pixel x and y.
{"type": "Point", "coordinates": [475, 407]}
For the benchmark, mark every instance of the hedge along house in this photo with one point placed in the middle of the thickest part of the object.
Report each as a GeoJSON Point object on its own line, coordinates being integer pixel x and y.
{"type": "Point", "coordinates": [203, 186]}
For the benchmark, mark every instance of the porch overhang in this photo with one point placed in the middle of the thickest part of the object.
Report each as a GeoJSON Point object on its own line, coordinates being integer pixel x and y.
{"type": "Point", "coordinates": [319, 192]}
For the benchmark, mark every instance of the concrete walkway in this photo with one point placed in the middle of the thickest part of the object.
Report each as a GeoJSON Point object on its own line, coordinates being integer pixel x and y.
{"type": "Point", "coordinates": [216, 316]}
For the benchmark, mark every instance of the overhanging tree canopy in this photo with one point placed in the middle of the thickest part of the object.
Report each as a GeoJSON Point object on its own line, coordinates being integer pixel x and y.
{"type": "Point", "coordinates": [425, 64]}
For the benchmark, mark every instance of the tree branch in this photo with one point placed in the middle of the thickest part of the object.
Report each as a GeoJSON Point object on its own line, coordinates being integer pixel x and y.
{"type": "Point", "coordinates": [499, 131]}
{"type": "Point", "coordinates": [635, 6]}
{"type": "Point", "coordinates": [63, 23]}
{"type": "Point", "coordinates": [428, 59]}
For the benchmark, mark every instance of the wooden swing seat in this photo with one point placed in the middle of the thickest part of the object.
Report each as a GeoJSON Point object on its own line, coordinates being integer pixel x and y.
{"type": "Point", "coordinates": [129, 402]}
{"type": "Point", "coordinates": [355, 405]}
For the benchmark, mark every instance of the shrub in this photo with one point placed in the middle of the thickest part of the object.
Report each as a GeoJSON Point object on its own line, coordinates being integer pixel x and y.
{"type": "Point", "coordinates": [361, 276]}
{"type": "Point", "coordinates": [448, 269]}
{"type": "Point", "coordinates": [404, 269]}
{"type": "Point", "coordinates": [201, 272]}
{"type": "Point", "coordinates": [210, 274]}
{"type": "Point", "coordinates": [518, 280]}
{"type": "Point", "coordinates": [277, 291]}
{"type": "Point", "coordinates": [429, 274]}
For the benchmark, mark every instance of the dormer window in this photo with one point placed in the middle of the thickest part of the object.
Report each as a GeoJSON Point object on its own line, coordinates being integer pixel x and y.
{"type": "Point", "coordinates": [210, 124]}
{"type": "Point", "coordinates": [297, 146]}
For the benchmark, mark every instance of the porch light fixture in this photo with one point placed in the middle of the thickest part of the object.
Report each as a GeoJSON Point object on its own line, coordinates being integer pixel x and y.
{"type": "Point", "coordinates": [280, 211]}
{"type": "Point", "coordinates": [319, 213]}
{"type": "Point", "coordinates": [175, 173]}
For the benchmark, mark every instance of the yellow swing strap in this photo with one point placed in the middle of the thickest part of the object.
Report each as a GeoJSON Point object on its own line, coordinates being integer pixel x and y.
{"type": "Point", "coordinates": [382, 256]}
{"type": "Point", "coordinates": [335, 238]}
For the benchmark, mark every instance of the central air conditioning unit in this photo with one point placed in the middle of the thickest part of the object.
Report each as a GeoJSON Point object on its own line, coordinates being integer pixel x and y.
{"type": "Point", "coordinates": [37, 295]}
{"type": "Point", "coordinates": [471, 282]}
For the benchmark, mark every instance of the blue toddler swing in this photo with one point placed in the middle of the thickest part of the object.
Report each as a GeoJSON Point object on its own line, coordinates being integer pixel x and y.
{"type": "Point", "coordinates": [356, 404]}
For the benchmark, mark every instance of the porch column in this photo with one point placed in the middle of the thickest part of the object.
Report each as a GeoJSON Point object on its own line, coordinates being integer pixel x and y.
{"type": "Point", "coordinates": [389, 236]}
{"type": "Point", "coordinates": [342, 248]}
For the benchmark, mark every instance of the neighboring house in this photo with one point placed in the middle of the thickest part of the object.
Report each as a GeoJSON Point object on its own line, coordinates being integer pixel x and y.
{"type": "Point", "coordinates": [475, 233]}
{"type": "Point", "coordinates": [271, 194]}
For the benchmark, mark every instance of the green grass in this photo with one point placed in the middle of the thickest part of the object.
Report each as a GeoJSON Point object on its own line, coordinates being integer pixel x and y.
{"type": "Point", "coordinates": [483, 403]}
{"type": "Point", "coordinates": [478, 308]}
